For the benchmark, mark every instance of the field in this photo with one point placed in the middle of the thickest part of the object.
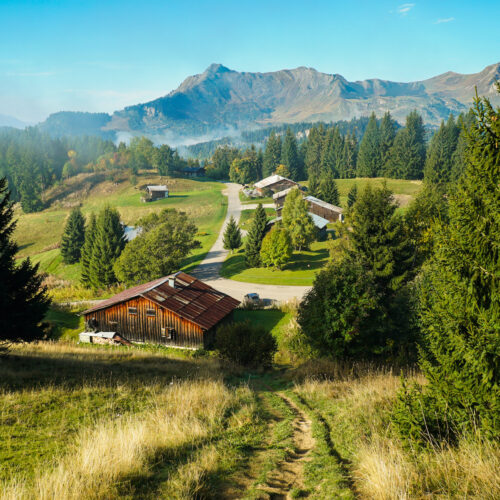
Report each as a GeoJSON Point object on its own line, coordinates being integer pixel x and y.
{"type": "Point", "coordinates": [299, 271]}
{"type": "Point", "coordinates": [246, 217]}
{"type": "Point", "coordinates": [115, 422]}
{"type": "Point", "coordinates": [39, 234]}
{"type": "Point", "coordinates": [403, 190]}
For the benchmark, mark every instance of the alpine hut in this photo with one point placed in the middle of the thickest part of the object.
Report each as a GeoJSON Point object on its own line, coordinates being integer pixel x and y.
{"type": "Point", "coordinates": [176, 310]}
{"type": "Point", "coordinates": [155, 193]}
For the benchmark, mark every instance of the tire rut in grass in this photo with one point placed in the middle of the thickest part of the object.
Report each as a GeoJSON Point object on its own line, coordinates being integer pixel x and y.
{"type": "Point", "coordinates": [288, 476]}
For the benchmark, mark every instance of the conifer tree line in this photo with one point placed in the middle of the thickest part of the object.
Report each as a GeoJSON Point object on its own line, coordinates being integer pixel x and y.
{"type": "Point", "coordinates": [384, 149]}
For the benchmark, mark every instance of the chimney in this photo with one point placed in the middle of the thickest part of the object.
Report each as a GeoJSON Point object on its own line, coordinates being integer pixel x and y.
{"type": "Point", "coordinates": [171, 282]}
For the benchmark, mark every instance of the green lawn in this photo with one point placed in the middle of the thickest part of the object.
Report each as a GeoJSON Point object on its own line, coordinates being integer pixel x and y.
{"type": "Point", "coordinates": [39, 234]}
{"type": "Point", "coordinates": [247, 215]}
{"type": "Point", "coordinates": [299, 271]}
{"type": "Point", "coordinates": [246, 200]}
{"type": "Point", "coordinates": [404, 191]}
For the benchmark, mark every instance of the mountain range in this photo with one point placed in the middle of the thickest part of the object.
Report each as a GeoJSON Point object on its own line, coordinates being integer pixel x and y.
{"type": "Point", "coordinates": [220, 100]}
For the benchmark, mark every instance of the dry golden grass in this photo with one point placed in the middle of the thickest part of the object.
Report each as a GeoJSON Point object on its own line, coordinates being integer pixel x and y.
{"type": "Point", "coordinates": [106, 455]}
{"type": "Point", "coordinates": [357, 412]}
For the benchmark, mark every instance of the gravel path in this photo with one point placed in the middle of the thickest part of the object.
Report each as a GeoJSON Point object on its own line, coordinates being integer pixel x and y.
{"type": "Point", "coordinates": [209, 269]}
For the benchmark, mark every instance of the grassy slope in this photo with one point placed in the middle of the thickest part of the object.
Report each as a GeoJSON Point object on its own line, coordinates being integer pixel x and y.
{"type": "Point", "coordinates": [39, 234]}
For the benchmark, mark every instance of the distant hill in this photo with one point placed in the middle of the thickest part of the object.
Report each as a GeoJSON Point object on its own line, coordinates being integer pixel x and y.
{"type": "Point", "coordinates": [220, 101]}
{"type": "Point", "coordinates": [11, 121]}
{"type": "Point", "coordinates": [75, 123]}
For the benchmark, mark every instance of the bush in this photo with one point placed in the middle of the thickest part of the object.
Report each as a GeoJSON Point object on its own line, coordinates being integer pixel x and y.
{"type": "Point", "coordinates": [245, 344]}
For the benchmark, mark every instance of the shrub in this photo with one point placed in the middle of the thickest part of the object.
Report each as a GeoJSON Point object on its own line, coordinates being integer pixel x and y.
{"type": "Point", "coordinates": [246, 344]}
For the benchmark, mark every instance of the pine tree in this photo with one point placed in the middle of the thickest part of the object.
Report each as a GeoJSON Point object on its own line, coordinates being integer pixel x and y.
{"type": "Point", "coordinates": [378, 238]}
{"type": "Point", "coordinates": [439, 161]}
{"type": "Point", "coordinates": [272, 154]}
{"type": "Point", "coordinates": [23, 299]}
{"type": "Point", "coordinates": [407, 155]}
{"type": "Point", "coordinates": [347, 168]}
{"type": "Point", "coordinates": [276, 248]}
{"type": "Point", "coordinates": [86, 253]}
{"type": "Point", "coordinates": [328, 189]}
{"type": "Point", "coordinates": [232, 235]}
{"type": "Point", "coordinates": [352, 196]}
{"type": "Point", "coordinates": [387, 135]}
{"type": "Point", "coordinates": [314, 186]}
{"type": "Point", "coordinates": [461, 304]}
{"type": "Point", "coordinates": [290, 156]}
{"type": "Point", "coordinates": [254, 238]}
{"type": "Point", "coordinates": [369, 161]}
{"type": "Point", "coordinates": [313, 151]}
{"type": "Point", "coordinates": [297, 221]}
{"type": "Point", "coordinates": [108, 244]}
{"type": "Point", "coordinates": [73, 237]}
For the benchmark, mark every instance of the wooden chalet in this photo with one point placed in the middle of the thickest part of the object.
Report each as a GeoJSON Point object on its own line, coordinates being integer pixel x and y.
{"type": "Point", "coordinates": [155, 193]}
{"type": "Point", "coordinates": [177, 310]}
{"type": "Point", "coordinates": [323, 209]}
{"type": "Point", "coordinates": [193, 171]}
{"type": "Point", "coordinates": [274, 183]}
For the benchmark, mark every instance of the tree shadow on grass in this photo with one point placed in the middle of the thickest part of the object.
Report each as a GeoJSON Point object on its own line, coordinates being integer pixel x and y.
{"type": "Point", "coordinates": [33, 369]}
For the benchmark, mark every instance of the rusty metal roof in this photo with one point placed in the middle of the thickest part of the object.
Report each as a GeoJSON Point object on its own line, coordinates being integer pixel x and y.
{"type": "Point", "coordinates": [190, 298]}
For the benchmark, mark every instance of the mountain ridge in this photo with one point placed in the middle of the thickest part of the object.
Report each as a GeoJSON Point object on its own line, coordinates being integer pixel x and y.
{"type": "Point", "coordinates": [225, 99]}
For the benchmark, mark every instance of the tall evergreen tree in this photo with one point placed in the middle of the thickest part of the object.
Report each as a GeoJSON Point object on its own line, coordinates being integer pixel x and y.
{"type": "Point", "coordinates": [86, 252]}
{"type": "Point", "coordinates": [347, 167]}
{"type": "Point", "coordinates": [232, 235]}
{"type": "Point", "coordinates": [297, 221]}
{"type": "Point", "coordinates": [73, 237]}
{"type": "Point", "coordinates": [460, 307]}
{"type": "Point", "coordinates": [313, 151]}
{"type": "Point", "coordinates": [439, 161]}
{"type": "Point", "coordinates": [272, 154]}
{"type": "Point", "coordinates": [290, 156]}
{"type": "Point", "coordinates": [369, 161]}
{"type": "Point", "coordinates": [108, 244]}
{"type": "Point", "coordinates": [329, 191]}
{"type": "Point", "coordinates": [314, 186]}
{"type": "Point", "coordinates": [379, 240]}
{"type": "Point", "coordinates": [23, 299]}
{"type": "Point", "coordinates": [387, 135]}
{"type": "Point", "coordinates": [460, 155]}
{"type": "Point", "coordinates": [254, 238]}
{"type": "Point", "coordinates": [407, 155]}
{"type": "Point", "coordinates": [352, 196]}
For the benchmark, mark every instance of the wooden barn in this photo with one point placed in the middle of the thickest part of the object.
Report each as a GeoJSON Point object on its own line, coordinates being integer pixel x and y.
{"type": "Point", "coordinates": [155, 193]}
{"type": "Point", "coordinates": [274, 183]}
{"type": "Point", "coordinates": [177, 310]}
{"type": "Point", "coordinates": [323, 209]}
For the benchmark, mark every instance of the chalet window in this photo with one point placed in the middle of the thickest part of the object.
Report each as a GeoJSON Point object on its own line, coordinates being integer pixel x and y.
{"type": "Point", "coordinates": [168, 333]}
{"type": "Point", "coordinates": [151, 313]}
{"type": "Point", "coordinates": [132, 310]}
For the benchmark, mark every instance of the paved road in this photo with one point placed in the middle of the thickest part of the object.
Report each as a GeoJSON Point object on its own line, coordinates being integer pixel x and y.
{"type": "Point", "coordinates": [209, 269]}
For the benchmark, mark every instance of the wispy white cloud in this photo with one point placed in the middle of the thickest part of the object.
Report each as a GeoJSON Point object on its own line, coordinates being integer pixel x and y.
{"type": "Point", "coordinates": [31, 73]}
{"type": "Point", "coordinates": [445, 20]}
{"type": "Point", "coordinates": [405, 8]}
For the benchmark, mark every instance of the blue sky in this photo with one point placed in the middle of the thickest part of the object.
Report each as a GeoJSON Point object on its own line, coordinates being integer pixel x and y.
{"type": "Point", "coordinates": [103, 55]}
